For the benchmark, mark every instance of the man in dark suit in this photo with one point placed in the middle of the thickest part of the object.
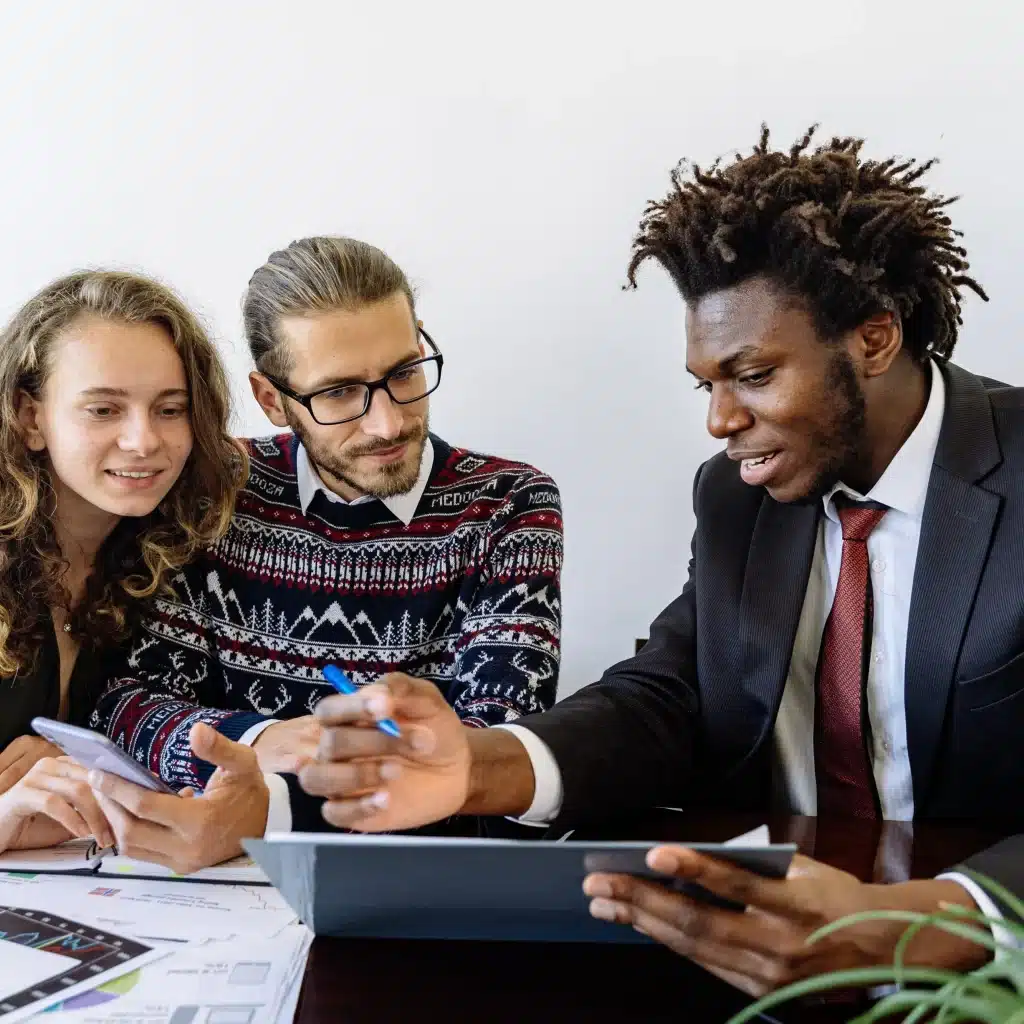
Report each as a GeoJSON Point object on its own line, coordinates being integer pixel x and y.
{"type": "Point", "coordinates": [850, 641]}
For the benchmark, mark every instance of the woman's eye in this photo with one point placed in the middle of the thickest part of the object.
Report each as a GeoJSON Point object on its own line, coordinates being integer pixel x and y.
{"type": "Point", "coordinates": [173, 411]}
{"type": "Point", "coordinates": [101, 412]}
{"type": "Point", "coordinates": [703, 385]}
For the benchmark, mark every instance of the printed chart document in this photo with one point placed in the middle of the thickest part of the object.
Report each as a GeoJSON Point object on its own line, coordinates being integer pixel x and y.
{"type": "Point", "coordinates": [153, 910]}
{"type": "Point", "coordinates": [71, 857]}
{"type": "Point", "coordinates": [128, 947]}
{"type": "Point", "coordinates": [46, 958]}
{"type": "Point", "coordinates": [243, 981]}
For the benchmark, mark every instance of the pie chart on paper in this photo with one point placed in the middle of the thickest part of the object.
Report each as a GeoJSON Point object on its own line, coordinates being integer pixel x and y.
{"type": "Point", "coordinates": [98, 996]}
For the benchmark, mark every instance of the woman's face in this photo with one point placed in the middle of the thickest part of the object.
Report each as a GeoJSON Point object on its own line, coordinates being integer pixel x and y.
{"type": "Point", "coordinates": [112, 416]}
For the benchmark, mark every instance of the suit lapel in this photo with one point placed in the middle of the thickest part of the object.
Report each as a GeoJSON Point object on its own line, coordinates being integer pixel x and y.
{"type": "Point", "coordinates": [956, 530]}
{"type": "Point", "coordinates": [774, 585]}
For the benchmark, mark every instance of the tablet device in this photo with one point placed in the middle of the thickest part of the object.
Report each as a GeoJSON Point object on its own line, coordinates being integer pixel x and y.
{"type": "Point", "coordinates": [94, 750]}
{"type": "Point", "coordinates": [409, 887]}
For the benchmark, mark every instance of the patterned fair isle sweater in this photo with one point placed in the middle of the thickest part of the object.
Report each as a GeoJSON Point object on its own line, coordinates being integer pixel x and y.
{"type": "Point", "coordinates": [466, 595]}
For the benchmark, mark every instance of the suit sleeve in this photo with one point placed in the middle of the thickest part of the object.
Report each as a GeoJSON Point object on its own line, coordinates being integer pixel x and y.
{"type": "Point", "coordinates": [626, 742]}
{"type": "Point", "coordinates": [508, 651]}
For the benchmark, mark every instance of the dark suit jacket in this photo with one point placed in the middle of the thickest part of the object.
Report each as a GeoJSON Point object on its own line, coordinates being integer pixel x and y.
{"type": "Point", "coordinates": [690, 718]}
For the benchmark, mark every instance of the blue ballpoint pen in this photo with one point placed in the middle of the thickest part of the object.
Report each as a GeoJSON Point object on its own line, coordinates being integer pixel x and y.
{"type": "Point", "coordinates": [343, 684]}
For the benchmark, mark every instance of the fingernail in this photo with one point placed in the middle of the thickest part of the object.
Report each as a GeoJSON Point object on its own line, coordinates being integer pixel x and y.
{"type": "Point", "coordinates": [596, 886]}
{"type": "Point", "coordinates": [421, 740]}
{"type": "Point", "coordinates": [603, 910]}
{"type": "Point", "coordinates": [390, 770]}
{"type": "Point", "coordinates": [95, 779]}
{"type": "Point", "coordinates": [663, 860]}
{"type": "Point", "coordinates": [377, 705]}
{"type": "Point", "coordinates": [376, 801]}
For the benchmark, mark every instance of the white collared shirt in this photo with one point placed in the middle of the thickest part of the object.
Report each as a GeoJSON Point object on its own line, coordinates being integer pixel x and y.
{"type": "Point", "coordinates": [892, 550]}
{"type": "Point", "coordinates": [892, 555]}
{"type": "Point", "coordinates": [402, 507]}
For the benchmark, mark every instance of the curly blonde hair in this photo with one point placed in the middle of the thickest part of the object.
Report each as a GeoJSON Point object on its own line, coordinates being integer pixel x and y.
{"type": "Point", "coordinates": [141, 554]}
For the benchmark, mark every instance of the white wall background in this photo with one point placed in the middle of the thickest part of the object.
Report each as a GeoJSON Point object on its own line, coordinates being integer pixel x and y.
{"type": "Point", "coordinates": [502, 154]}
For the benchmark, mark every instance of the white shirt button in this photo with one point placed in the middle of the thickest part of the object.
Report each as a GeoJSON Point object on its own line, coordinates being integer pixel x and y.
{"type": "Point", "coordinates": [878, 565]}
{"type": "Point", "coordinates": [879, 657]}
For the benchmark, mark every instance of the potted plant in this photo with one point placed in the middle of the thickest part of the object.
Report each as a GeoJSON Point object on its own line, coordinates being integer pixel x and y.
{"type": "Point", "coordinates": [994, 994]}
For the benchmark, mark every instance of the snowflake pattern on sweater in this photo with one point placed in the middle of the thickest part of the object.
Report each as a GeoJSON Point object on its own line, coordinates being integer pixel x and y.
{"type": "Point", "coordinates": [467, 595]}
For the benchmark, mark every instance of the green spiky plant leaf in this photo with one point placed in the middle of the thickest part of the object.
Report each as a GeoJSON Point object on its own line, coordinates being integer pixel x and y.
{"type": "Point", "coordinates": [994, 994]}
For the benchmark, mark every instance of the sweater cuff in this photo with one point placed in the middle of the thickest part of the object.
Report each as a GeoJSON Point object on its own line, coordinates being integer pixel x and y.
{"type": "Point", "coordinates": [236, 724]}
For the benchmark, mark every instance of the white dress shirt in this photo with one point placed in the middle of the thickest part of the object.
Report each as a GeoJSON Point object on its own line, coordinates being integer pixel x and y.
{"type": "Point", "coordinates": [402, 507]}
{"type": "Point", "coordinates": [892, 556]}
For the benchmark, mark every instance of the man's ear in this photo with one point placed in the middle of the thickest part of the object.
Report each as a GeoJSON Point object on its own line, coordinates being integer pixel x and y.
{"type": "Point", "coordinates": [28, 419]}
{"type": "Point", "coordinates": [269, 398]}
{"type": "Point", "coordinates": [880, 341]}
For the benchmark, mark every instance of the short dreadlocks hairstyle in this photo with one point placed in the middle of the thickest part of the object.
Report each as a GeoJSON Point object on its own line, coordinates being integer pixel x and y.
{"type": "Point", "coordinates": [848, 238]}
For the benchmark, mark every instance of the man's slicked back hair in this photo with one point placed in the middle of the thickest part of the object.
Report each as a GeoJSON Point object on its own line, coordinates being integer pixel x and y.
{"type": "Point", "coordinates": [314, 275]}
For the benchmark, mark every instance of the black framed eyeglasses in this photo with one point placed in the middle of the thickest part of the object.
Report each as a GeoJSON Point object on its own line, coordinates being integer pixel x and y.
{"type": "Point", "coordinates": [405, 384]}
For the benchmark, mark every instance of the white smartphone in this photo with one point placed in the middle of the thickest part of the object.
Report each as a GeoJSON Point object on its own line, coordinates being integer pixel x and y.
{"type": "Point", "coordinates": [94, 750]}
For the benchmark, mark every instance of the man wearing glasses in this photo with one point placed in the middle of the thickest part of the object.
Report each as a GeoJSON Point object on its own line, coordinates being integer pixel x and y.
{"type": "Point", "coordinates": [360, 540]}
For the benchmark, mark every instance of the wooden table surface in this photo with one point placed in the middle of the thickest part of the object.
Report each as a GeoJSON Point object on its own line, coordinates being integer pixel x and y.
{"type": "Point", "coordinates": [358, 981]}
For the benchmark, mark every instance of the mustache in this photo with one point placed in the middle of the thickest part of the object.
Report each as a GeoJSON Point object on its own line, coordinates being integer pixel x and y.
{"type": "Point", "coordinates": [380, 445]}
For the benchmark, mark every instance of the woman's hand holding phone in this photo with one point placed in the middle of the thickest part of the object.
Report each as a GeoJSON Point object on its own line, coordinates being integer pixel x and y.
{"type": "Point", "coordinates": [52, 802]}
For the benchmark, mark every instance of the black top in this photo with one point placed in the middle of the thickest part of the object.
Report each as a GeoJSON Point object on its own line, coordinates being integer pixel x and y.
{"type": "Point", "coordinates": [36, 691]}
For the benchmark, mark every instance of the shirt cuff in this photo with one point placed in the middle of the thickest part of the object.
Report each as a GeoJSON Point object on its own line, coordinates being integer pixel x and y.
{"type": "Point", "coordinates": [279, 810]}
{"type": "Point", "coordinates": [249, 737]}
{"type": "Point", "coordinates": [547, 778]}
{"type": "Point", "coordinates": [989, 908]}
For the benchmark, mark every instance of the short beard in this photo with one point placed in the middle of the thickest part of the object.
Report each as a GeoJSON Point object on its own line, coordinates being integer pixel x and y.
{"type": "Point", "coordinates": [844, 438]}
{"type": "Point", "coordinates": [388, 482]}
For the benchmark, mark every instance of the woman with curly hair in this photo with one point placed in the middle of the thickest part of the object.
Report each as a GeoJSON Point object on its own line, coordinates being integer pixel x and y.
{"type": "Point", "coordinates": [116, 466]}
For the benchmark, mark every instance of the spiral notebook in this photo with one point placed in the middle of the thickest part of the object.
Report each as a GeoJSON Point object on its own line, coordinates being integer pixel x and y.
{"type": "Point", "coordinates": [84, 857]}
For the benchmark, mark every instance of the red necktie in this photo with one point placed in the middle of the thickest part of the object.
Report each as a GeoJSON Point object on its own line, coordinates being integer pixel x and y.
{"type": "Point", "coordinates": [842, 766]}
